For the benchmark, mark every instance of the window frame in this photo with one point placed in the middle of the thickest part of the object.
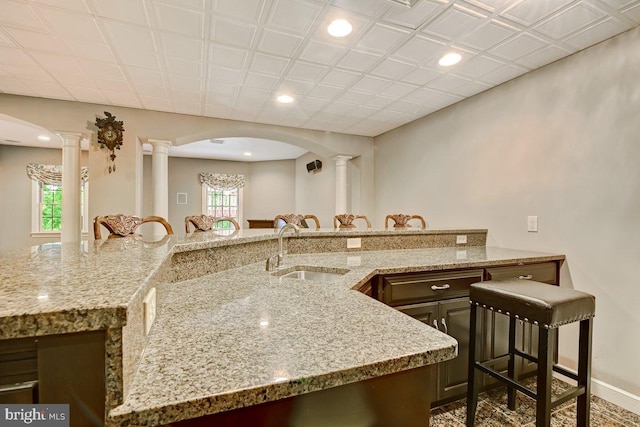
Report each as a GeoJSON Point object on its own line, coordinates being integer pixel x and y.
{"type": "Point", "coordinates": [205, 193]}
{"type": "Point", "coordinates": [37, 188]}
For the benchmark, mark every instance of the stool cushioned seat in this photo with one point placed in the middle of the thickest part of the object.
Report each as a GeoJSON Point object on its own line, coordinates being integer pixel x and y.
{"type": "Point", "coordinates": [539, 303]}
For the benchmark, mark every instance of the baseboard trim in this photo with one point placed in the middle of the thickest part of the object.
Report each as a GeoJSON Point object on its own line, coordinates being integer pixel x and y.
{"type": "Point", "coordinates": [610, 393]}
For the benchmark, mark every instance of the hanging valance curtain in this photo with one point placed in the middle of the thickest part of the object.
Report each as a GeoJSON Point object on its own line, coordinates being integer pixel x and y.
{"type": "Point", "coordinates": [222, 181]}
{"type": "Point", "coordinates": [52, 174]}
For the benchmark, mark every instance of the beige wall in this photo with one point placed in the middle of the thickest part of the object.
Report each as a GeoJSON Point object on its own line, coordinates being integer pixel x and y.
{"type": "Point", "coordinates": [561, 143]}
{"type": "Point", "coordinates": [316, 191]}
{"type": "Point", "coordinates": [15, 192]}
{"type": "Point", "coordinates": [122, 190]}
{"type": "Point", "coordinates": [270, 187]}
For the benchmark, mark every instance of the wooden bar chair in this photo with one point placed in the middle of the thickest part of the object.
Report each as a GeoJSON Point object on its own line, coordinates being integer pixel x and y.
{"type": "Point", "coordinates": [207, 222]}
{"type": "Point", "coordinates": [299, 220]}
{"type": "Point", "coordinates": [125, 225]}
{"type": "Point", "coordinates": [346, 220]}
{"type": "Point", "coordinates": [402, 221]}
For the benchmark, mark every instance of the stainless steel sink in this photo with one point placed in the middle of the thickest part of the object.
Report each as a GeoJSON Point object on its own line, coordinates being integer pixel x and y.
{"type": "Point", "coordinates": [313, 274]}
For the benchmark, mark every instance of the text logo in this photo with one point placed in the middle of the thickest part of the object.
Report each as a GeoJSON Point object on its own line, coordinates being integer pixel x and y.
{"type": "Point", "coordinates": [54, 415]}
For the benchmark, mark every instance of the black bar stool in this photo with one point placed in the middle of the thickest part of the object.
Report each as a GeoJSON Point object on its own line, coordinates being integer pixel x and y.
{"type": "Point", "coordinates": [548, 307]}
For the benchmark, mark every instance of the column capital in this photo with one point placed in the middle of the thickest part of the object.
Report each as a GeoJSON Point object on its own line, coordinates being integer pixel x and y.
{"type": "Point", "coordinates": [159, 143]}
{"type": "Point", "coordinates": [70, 139]}
{"type": "Point", "coordinates": [342, 158]}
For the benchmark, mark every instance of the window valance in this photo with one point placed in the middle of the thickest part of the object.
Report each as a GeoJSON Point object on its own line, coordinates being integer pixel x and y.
{"type": "Point", "coordinates": [52, 174]}
{"type": "Point", "coordinates": [222, 181]}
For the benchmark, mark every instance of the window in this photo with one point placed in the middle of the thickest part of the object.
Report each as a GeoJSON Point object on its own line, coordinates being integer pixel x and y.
{"type": "Point", "coordinates": [220, 203]}
{"type": "Point", "coordinates": [47, 208]}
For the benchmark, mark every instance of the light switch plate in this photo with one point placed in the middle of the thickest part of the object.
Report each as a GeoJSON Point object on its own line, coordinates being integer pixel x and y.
{"type": "Point", "coordinates": [149, 310]}
{"type": "Point", "coordinates": [532, 224]}
{"type": "Point", "coordinates": [461, 239]}
{"type": "Point", "coordinates": [354, 243]}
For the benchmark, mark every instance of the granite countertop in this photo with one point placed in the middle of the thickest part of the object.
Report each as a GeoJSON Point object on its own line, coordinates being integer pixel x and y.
{"type": "Point", "coordinates": [246, 336]}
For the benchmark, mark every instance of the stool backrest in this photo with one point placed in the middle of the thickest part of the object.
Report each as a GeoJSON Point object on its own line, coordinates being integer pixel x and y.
{"type": "Point", "coordinates": [295, 219]}
{"type": "Point", "coordinates": [402, 221]}
{"type": "Point", "coordinates": [207, 222]}
{"type": "Point", "coordinates": [125, 225]}
{"type": "Point", "coordinates": [346, 220]}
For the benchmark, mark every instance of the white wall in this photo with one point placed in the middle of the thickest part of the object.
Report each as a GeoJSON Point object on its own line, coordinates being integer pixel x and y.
{"type": "Point", "coordinates": [15, 192]}
{"type": "Point", "coordinates": [316, 191]}
{"type": "Point", "coordinates": [562, 143]}
{"type": "Point", "coordinates": [269, 187]}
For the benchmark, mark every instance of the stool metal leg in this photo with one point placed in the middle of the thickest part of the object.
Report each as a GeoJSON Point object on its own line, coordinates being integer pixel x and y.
{"type": "Point", "coordinates": [511, 367]}
{"type": "Point", "coordinates": [584, 372]}
{"type": "Point", "coordinates": [472, 385]}
{"type": "Point", "coordinates": [545, 369]}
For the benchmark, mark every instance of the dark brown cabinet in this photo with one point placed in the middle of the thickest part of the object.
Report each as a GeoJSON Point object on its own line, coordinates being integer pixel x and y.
{"type": "Point", "coordinates": [440, 299]}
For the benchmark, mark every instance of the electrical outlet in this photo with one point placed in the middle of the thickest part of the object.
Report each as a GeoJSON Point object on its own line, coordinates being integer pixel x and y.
{"type": "Point", "coordinates": [532, 224]}
{"type": "Point", "coordinates": [461, 239]}
{"type": "Point", "coordinates": [354, 243]}
{"type": "Point", "coordinates": [149, 310]}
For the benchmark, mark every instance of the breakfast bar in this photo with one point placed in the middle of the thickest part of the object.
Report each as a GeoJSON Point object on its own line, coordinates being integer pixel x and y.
{"type": "Point", "coordinates": [230, 337]}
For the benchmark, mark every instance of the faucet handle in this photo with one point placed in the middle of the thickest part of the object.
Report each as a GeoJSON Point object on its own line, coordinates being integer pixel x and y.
{"type": "Point", "coordinates": [272, 262]}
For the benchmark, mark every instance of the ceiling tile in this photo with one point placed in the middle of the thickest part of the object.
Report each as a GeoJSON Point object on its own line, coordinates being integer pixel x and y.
{"type": "Point", "coordinates": [517, 47]}
{"type": "Point", "coordinates": [72, 25]}
{"type": "Point", "coordinates": [419, 50]}
{"type": "Point", "coordinates": [260, 80]}
{"type": "Point", "coordinates": [633, 13]}
{"type": "Point", "coordinates": [502, 75]}
{"type": "Point", "coordinates": [267, 64]}
{"type": "Point", "coordinates": [392, 69]}
{"type": "Point", "coordinates": [214, 110]}
{"type": "Point", "coordinates": [156, 103]}
{"type": "Point", "coordinates": [185, 95]}
{"type": "Point", "coordinates": [544, 56]}
{"type": "Point", "coordinates": [340, 107]}
{"type": "Point", "coordinates": [490, 5]}
{"type": "Point", "coordinates": [19, 15]}
{"type": "Point", "coordinates": [150, 90]}
{"type": "Point", "coordinates": [434, 98]}
{"type": "Point", "coordinates": [325, 92]}
{"type": "Point", "coordinates": [405, 106]}
{"type": "Point", "coordinates": [15, 86]}
{"type": "Point", "coordinates": [63, 68]}
{"type": "Point", "coordinates": [306, 71]}
{"type": "Point", "coordinates": [39, 41]}
{"type": "Point", "coordinates": [528, 12]}
{"type": "Point", "coordinates": [246, 10]}
{"type": "Point", "coordinates": [296, 87]}
{"type": "Point", "coordinates": [569, 21]}
{"type": "Point", "coordinates": [354, 97]}
{"type": "Point", "coordinates": [6, 41]}
{"type": "Point", "coordinates": [91, 50]}
{"type": "Point", "coordinates": [294, 16]}
{"type": "Point", "coordinates": [183, 47]}
{"type": "Point", "coordinates": [397, 90]}
{"type": "Point", "coordinates": [74, 5]}
{"type": "Point", "coordinates": [488, 35]}
{"type": "Point", "coordinates": [371, 8]}
{"type": "Point", "coordinates": [371, 84]}
{"type": "Point", "coordinates": [178, 20]}
{"type": "Point", "coordinates": [131, 11]}
{"type": "Point", "coordinates": [379, 101]}
{"type": "Point", "coordinates": [471, 88]}
{"type": "Point", "coordinates": [121, 98]}
{"type": "Point", "coordinates": [358, 61]}
{"type": "Point", "coordinates": [421, 76]}
{"type": "Point", "coordinates": [592, 35]}
{"type": "Point", "coordinates": [184, 83]}
{"type": "Point", "coordinates": [279, 43]}
{"type": "Point", "coordinates": [113, 86]}
{"type": "Point", "coordinates": [49, 89]}
{"type": "Point", "coordinates": [477, 66]}
{"type": "Point", "coordinates": [225, 75]}
{"type": "Point", "coordinates": [255, 94]}
{"type": "Point", "coordinates": [86, 94]}
{"type": "Point", "coordinates": [144, 77]}
{"type": "Point", "coordinates": [341, 78]}
{"type": "Point", "coordinates": [134, 45]}
{"type": "Point", "coordinates": [101, 70]}
{"type": "Point", "coordinates": [216, 89]}
{"type": "Point", "coordinates": [321, 53]}
{"type": "Point", "coordinates": [228, 56]}
{"type": "Point", "coordinates": [188, 4]}
{"type": "Point", "coordinates": [27, 71]}
{"type": "Point", "coordinates": [448, 82]}
{"type": "Point", "coordinates": [415, 16]}
{"type": "Point", "coordinates": [380, 38]}
{"type": "Point", "coordinates": [455, 22]}
{"type": "Point", "coordinates": [184, 68]}
{"type": "Point", "coordinates": [232, 32]}
{"type": "Point", "coordinates": [11, 55]}
{"type": "Point", "coordinates": [313, 103]}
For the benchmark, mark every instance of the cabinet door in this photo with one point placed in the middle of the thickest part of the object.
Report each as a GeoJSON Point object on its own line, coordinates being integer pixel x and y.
{"type": "Point", "coordinates": [454, 320]}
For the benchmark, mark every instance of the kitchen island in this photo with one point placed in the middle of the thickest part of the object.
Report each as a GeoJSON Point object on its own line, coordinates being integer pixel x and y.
{"type": "Point", "coordinates": [229, 335]}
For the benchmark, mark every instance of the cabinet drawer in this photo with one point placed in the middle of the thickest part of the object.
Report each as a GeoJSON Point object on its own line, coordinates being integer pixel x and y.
{"type": "Point", "coordinates": [402, 289]}
{"type": "Point", "coordinates": [544, 272]}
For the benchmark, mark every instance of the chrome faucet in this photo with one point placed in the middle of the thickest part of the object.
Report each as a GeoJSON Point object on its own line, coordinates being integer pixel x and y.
{"type": "Point", "coordinates": [275, 260]}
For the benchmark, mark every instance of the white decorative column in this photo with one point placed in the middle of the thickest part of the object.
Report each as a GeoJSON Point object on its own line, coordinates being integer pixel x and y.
{"type": "Point", "coordinates": [71, 215]}
{"type": "Point", "coordinates": [341, 183]}
{"type": "Point", "coordinates": [160, 180]}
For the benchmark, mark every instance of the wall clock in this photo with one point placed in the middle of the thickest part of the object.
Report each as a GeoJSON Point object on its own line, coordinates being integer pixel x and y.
{"type": "Point", "coordinates": [110, 133]}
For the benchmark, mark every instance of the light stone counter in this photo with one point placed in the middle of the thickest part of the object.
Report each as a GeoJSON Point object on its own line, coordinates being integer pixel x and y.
{"type": "Point", "coordinates": [236, 337]}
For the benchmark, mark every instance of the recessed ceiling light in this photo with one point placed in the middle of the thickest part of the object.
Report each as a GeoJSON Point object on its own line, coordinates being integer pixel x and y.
{"type": "Point", "coordinates": [44, 138]}
{"type": "Point", "coordinates": [339, 28]}
{"type": "Point", "coordinates": [285, 99]}
{"type": "Point", "coordinates": [246, 153]}
{"type": "Point", "coordinates": [450, 59]}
